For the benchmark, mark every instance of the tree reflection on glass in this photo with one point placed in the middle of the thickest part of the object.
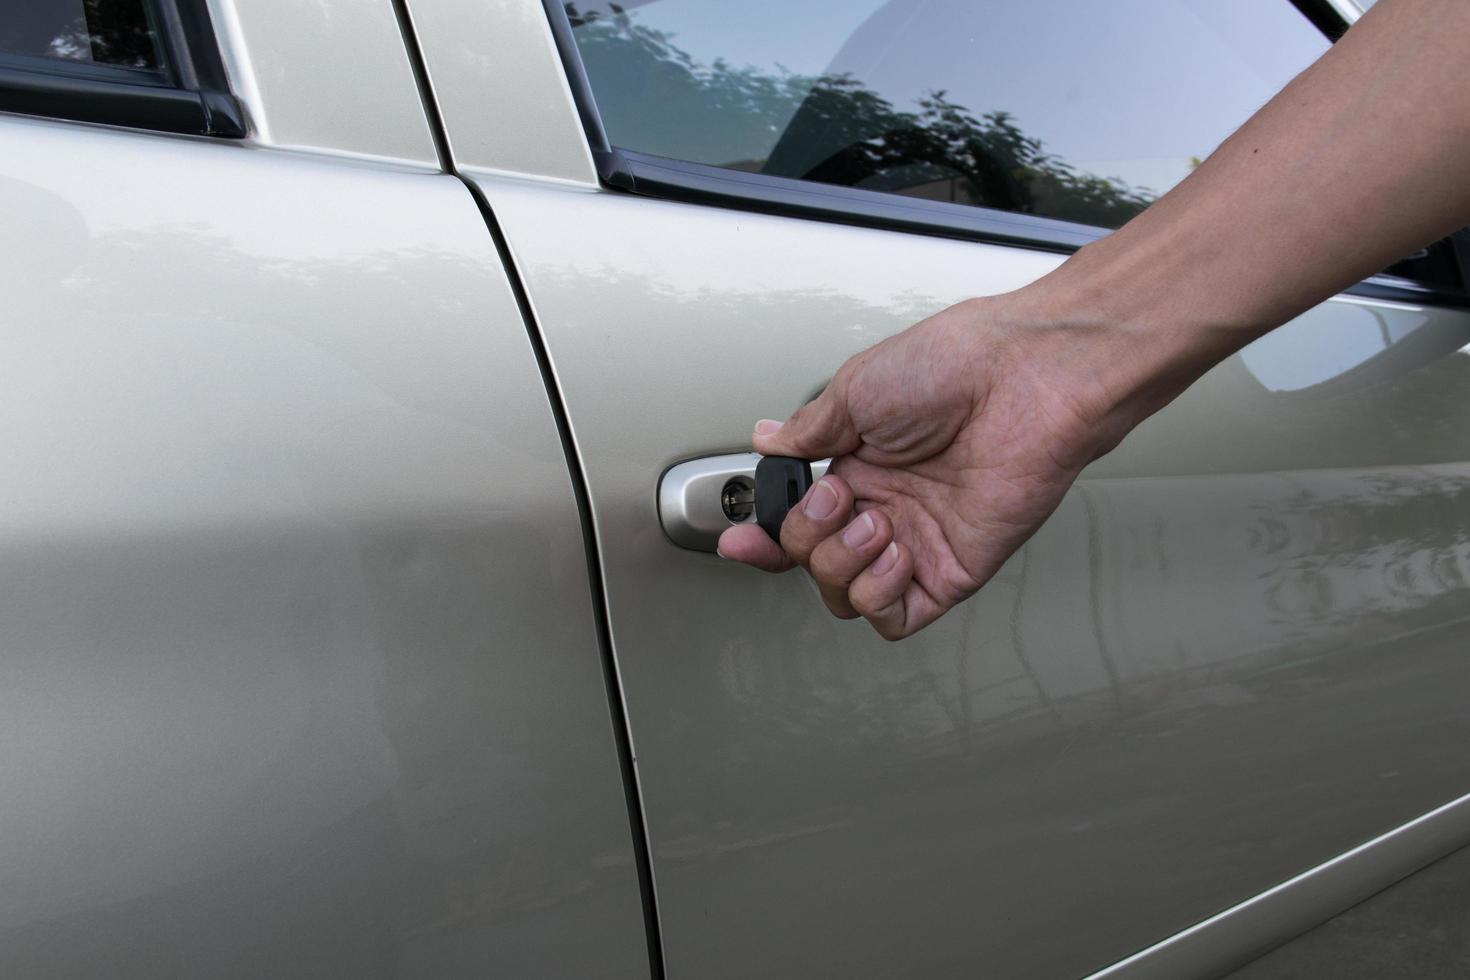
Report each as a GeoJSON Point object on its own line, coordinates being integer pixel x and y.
{"type": "Point", "coordinates": [104, 32]}
{"type": "Point", "coordinates": [829, 128]}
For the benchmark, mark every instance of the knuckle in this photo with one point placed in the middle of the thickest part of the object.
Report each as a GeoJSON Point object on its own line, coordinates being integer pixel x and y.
{"type": "Point", "coordinates": [804, 441]}
{"type": "Point", "coordinates": [796, 536]}
{"type": "Point", "coordinates": [864, 604]}
{"type": "Point", "coordinates": [815, 424]}
{"type": "Point", "coordinates": [828, 567]}
{"type": "Point", "coordinates": [890, 634]}
{"type": "Point", "coordinates": [795, 552]}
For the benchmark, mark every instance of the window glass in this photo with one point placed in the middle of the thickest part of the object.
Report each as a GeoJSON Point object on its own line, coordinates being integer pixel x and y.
{"type": "Point", "coordinates": [1080, 111]}
{"type": "Point", "coordinates": [102, 32]}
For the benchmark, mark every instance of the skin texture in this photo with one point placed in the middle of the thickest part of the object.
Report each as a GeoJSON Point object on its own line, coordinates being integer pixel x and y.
{"type": "Point", "coordinates": [957, 438]}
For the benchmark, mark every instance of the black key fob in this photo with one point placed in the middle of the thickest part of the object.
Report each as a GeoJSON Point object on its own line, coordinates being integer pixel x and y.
{"type": "Point", "coordinates": [780, 483]}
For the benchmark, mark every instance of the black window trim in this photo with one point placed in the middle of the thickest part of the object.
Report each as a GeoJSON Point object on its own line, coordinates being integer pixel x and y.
{"type": "Point", "coordinates": [188, 93]}
{"type": "Point", "coordinates": [644, 173]}
{"type": "Point", "coordinates": [680, 180]}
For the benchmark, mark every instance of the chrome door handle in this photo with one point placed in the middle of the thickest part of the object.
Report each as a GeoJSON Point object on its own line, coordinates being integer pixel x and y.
{"type": "Point", "coordinates": [698, 499]}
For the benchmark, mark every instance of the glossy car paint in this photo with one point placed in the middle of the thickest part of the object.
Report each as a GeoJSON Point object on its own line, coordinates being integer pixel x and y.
{"type": "Point", "coordinates": [1369, 941]}
{"type": "Point", "coordinates": [329, 75]}
{"type": "Point", "coordinates": [300, 675]}
{"type": "Point", "coordinates": [1262, 922]}
{"type": "Point", "coordinates": [260, 616]}
{"type": "Point", "coordinates": [1235, 652]}
{"type": "Point", "coordinates": [488, 62]}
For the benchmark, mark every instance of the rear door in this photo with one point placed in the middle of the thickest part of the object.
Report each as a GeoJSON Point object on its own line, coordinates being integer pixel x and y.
{"type": "Point", "coordinates": [299, 674]}
{"type": "Point", "coordinates": [1234, 653]}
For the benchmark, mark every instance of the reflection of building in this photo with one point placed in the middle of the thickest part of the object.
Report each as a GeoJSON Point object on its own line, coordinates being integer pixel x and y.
{"type": "Point", "coordinates": [956, 190]}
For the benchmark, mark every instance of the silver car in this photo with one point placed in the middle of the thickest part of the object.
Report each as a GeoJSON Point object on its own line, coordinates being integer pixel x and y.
{"type": "Point", "coordinates": [376, 376]}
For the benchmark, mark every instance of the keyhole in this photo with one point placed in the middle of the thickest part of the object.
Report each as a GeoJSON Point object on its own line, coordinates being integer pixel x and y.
{"type": "Point", "coordinates": [738, 500]}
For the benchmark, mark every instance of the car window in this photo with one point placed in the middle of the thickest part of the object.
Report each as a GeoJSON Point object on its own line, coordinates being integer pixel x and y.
{"type": "Point", "coordinates": [1085, 112]}
{"type": "Point", "coordinates": [96, 32]}
{"type": "Point", "coordinates": [141, 64]}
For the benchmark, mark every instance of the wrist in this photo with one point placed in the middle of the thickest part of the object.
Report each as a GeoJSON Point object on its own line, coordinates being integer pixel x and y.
{"type": "Point", "coordinates": [1095, 356]}
{"type": "Point", "coordinates": [1131, 328]}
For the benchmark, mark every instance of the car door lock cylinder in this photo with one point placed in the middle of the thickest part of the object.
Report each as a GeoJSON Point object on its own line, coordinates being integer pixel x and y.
{"type": "Point", "coordinates": [738, 499]}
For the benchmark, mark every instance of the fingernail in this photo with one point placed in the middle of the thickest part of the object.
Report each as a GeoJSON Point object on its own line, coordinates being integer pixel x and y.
{"type": "Point", "coordinates": [721, 553]}
{"type": "Point", "coordinates": [766, 426]}
{"type": "Point", "coordinates": [887, 560]}
{"type": "Point", "coordinates": [859, 531]}
{"type": "Point", "coordinates": [821, 502]}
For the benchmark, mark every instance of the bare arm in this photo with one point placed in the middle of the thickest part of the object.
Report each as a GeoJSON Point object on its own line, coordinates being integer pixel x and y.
{"type": "Point", "coordinates": [957, 438]}
{"type": "Point", "coordinates": [1363, 158]}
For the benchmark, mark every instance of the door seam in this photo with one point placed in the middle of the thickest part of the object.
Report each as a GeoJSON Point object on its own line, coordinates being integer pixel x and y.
{"type": "Point", "coordinates": [622, 736]}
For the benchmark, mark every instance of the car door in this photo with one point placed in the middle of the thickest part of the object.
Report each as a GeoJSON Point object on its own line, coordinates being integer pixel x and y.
{"type": "Point", "coordinates": [1214, 700]}
{"type": "Point", "coordinates": [299, 672]}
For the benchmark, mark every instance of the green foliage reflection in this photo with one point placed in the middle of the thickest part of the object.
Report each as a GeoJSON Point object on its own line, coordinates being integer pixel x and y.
{"type": "Point", "coordinates": [830, 128]}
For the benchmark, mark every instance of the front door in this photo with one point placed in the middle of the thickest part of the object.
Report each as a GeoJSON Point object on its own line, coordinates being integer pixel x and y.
{"type": "Point", "coordinates": [1231, 655]}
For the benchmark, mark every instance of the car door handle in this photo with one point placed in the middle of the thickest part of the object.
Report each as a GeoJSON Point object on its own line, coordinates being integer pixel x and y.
{"type": "Point", "coordinates": [699, 498]}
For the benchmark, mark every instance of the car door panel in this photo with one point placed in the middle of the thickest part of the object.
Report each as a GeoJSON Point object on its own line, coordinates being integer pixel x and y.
{"type": "Point", "coordinates": [301, 674]}
{"type": "Point", "coordinates": [1231, 655]}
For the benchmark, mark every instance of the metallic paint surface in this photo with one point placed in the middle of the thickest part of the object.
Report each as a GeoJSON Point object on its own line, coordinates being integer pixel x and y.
{"type": "Point", "coordinates": [298, 670]}
{"type": "Point", "coordinates": [1263, 921]}
{"type": "Point", "coordinates": [1414, 930]}
{"type": "Point", "coordinates": [1235, 652]}
{"type": "Point", "coordinates": [499, 85]}
{"type": "Point", "coordinates": [326, 75]}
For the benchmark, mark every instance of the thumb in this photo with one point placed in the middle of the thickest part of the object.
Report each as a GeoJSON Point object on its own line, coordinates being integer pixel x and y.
{"type": "Point", "coordinates": [822, 427]}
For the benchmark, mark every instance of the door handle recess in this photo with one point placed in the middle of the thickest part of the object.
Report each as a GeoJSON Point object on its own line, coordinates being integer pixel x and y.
{"type": "Point", "coordinates": [698, 499]}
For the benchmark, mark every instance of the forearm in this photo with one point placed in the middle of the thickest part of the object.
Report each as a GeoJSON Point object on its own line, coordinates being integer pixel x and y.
{"type": "Point", "coordinates": [1360, 160]}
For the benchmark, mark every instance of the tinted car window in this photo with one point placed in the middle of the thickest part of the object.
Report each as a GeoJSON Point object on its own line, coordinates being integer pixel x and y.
{"type": "Point", "coordinates": [101, 32]}
{"type": "Point", "coordinates": [1080, 111]}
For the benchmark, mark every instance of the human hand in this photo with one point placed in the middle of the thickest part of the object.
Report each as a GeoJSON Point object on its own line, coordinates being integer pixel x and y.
{"type": "Point", "coordinates": [958, 437]}
{"type": "Point", "coordinates": [953, 442]}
